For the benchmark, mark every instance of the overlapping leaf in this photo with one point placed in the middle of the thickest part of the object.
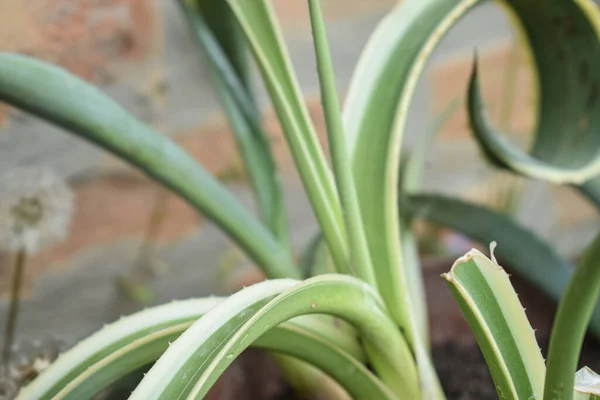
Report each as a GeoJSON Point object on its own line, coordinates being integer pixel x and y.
{"type": "Point", "coordinates": [140, 339]}
{"type": "Point", "coordinates": [193, 363]}
{"type": "Point", "coordinates": [375, 116]}
{"type": "Point", "coordinates": [360, 258]}
{"type": "Point", "coordinates": [563, 37]}
{"type": "Point", "coordinates": [261, 29]}
{"type": "Point", "coordinates": [220, 38]}
{"type": "Point", "coordinates": [497, 318]}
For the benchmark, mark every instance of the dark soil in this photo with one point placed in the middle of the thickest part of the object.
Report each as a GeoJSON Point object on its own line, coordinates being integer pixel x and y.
{"type": "Point", "coordinates": [465, 376]}
{"type": "Point", "coordinates": [463, 372]}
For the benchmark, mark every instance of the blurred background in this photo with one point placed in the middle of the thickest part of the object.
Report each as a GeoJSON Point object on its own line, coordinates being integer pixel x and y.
{"type": "Point", "coordinates": [142, 54]}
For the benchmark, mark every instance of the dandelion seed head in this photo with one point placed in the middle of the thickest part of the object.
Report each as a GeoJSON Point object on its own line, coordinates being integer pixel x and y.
{"type": "Point", "coordinates": [26, 363]}
{"type": "Point", "coordinates": [36, 207]}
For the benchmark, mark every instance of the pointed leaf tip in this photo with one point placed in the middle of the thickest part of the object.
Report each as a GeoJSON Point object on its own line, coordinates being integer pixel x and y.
{"type": "Point", "coordinates": [493, 246]}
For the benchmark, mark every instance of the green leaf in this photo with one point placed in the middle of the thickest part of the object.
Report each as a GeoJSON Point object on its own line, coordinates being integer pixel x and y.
{"type": "Point", "coordinates": [116, 349]}
{"type": "Point", "coordinates": [359, 252]}
{"type": "Point", "coordinates": [375, 116]}
{"type": "Point", "coordinates": [502, 153]}
{"type": "Point", "coordinates": [350, 373]}
{"type": "Point", "coordinates": [521, 249]}
{"type": "Point", "coordinates": [572, 318]}
{"type": "Point", "coordinates": [228, 33]}
{"type": "Point", "coordinates": [258, 22]}
{"type": "Point", "coordinates": [221, 44]}
{"type": "Point", "coordinates": [591, 190]}
{"type": "Point", "coordinates": [411, 175]}
{"type": "Point", "coordinates": [414, 276]}
{"type": "Point", "coordinates": [193, 363]}
{"type": "Point", "coordinates": [68, 102]}
{"type": "Point", "coordinates": [564, 43]}
{"type": "Point", "coordinates": [587, 385]}
{"type": "Point", "coordinates": [307, 381]}
{"type": "Point", "coordinates": [315, 260]}
{"type": "Point", "coordinates": [492, 308]}
{"type": "Point", "coordinates": [140, 339]}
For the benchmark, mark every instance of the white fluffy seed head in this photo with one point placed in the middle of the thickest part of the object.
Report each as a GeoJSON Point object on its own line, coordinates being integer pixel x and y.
{"type": "Point", "coordinates": [36, 207]}
{"type": "Point", "coordinates": [32, 358]}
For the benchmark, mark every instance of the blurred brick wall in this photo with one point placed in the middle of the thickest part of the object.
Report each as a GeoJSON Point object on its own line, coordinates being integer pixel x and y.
{"type": "Point", "coordinates": [87, 37]}
{"type": "Point", "coordinates": [141, 53]}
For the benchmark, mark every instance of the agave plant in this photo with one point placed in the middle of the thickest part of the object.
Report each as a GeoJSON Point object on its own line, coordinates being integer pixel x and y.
{"type": "Point", "coordinates": [364, 203]}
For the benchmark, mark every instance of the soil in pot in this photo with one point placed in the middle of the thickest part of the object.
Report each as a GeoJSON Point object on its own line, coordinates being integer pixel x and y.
{"type": "Point", "coordinates": [464, 374]}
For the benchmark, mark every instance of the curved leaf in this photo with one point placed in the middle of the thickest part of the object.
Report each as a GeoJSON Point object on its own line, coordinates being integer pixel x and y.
{"type": "Point", "coordinates": [87, 112]}
{"type": "Point", "coordinates": [140, 339]}
{"type": "Point", "coordinates": [375, 116]}
{"type": "Point", "coordinates": [221, 44]}
{"type": "Point", "coordinates": [158, 322]}
{"type": "Point", "coordinates": [379, 100]}
{"type": "Point", "coordinates": [307, 381]}
{"type": "Point", "coordinates": [497, 318]}
{"type": "Point", "coordinates": [506, 155]}
{"type": "Point", "coordinates": [354, 376]}
{"type": "Point", "coordinates": [193, 363]}
{"type": "Point", "coordinates": [564, 42]}
{"type": "Point", "coordinates": [258, 21]}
